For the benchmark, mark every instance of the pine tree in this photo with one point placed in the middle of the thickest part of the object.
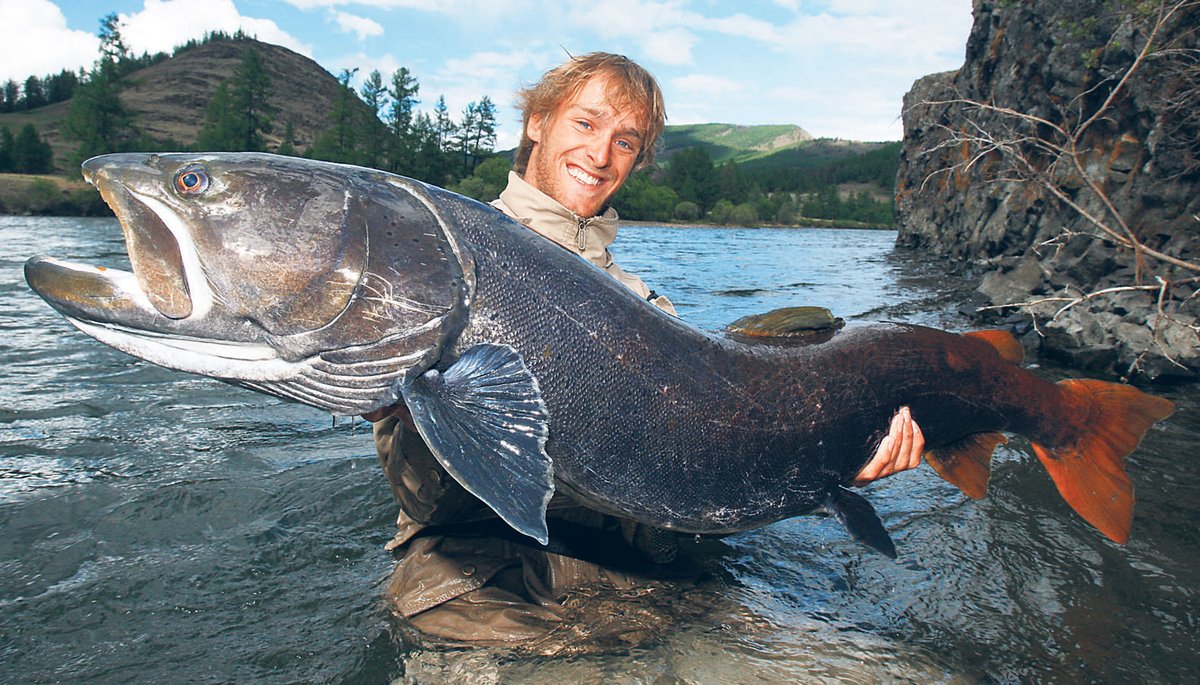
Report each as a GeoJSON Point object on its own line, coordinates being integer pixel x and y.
{"type": "Point", "coordinates": [34, 95]}
{"type": "Point", "coordinates": [286, 146]}
{"type": "Point", "coordinates": [443, 126]}
{"type": "Point", "coordinates": [476, 133]}
{"type": "Point", "coordinates": [112, 44]}
{"type": "Point", "coordinates": [239, 114]}
{"type": "Point", "coordinates": [337, 143]}
{"type": "Point", "coordinates": [12, 93]}
{"type": "Point", "coordinates": [403, 144]}
{"type": "Point", "coordinates": [31, 154]}
{"type": "Point", "coordinates": [373, 134]}
{"type": "Point", "coordinates": [97, 119]}
{"type": "Point", "coordinates": [218, 131]}
{"type": "Point", "coordinates": [6, 147]}
{"type": "Point", "coordinates": [61, 86]}
{"type": "Point", "coordinates": [693, 178]}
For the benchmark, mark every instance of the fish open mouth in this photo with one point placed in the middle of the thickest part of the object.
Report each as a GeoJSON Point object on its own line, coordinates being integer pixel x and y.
{"type": "Point", "coordinates": [159, 246]}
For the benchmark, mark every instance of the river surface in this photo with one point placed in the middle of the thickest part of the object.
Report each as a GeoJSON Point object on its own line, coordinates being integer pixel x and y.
{"type": "Point", "coordinates": [158, 527]}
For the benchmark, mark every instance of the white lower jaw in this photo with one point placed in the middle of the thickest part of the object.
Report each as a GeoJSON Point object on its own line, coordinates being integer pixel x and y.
{"type": "Point", "coordinates": [229, 361]}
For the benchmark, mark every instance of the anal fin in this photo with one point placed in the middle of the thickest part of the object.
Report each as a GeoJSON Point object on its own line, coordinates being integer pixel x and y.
{"type": "Point", "coordinates": [967, 463]}
{"type": "Point", "coordinates": [859, 519]}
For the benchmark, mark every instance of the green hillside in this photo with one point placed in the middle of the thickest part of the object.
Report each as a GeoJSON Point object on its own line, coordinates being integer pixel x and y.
{"type": "Point", "coordinates": [732, 142]}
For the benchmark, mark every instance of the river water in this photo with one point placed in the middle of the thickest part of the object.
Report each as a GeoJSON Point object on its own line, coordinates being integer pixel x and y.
{"type": "Point", "coordinates": [160, 527]}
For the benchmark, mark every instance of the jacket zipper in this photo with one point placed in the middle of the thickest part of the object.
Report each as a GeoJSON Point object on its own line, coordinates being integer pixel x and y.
{"type": "Point", "coordinates": [581, 235]}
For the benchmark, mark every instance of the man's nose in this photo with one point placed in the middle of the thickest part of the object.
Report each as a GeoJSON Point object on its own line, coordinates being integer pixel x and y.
{"type": "Point", "coordinates": [599, 150]}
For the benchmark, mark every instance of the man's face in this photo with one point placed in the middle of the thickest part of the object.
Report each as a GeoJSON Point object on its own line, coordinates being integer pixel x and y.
{"type": "Point", "coordinates": [585, 150]}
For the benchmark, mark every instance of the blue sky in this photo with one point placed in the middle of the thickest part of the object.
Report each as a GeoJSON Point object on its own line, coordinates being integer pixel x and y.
{"type": "Point", "coordinates": [837, 68]}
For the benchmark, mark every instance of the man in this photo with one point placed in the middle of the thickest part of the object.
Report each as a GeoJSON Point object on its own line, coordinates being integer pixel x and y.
{"type": "Point", "coordinates": [586, 126]}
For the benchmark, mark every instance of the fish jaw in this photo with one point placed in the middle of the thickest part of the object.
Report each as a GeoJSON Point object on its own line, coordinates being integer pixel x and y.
{"type": "Point", "coordinates": [320, 327]}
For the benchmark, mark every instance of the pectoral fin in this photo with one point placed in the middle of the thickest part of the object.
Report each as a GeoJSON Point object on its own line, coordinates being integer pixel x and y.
{"type": "Point", "coordinates": [485, 421]}
{"type": "Point", "coordinates": [857, 515]}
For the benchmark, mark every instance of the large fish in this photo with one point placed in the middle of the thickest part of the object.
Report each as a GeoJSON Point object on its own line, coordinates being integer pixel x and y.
{"type": "Point", "coordinates": [526, 369]}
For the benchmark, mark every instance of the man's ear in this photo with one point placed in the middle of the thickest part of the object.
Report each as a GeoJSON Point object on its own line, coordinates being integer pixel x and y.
{"type": "Point", "coordinates": [533, 129]}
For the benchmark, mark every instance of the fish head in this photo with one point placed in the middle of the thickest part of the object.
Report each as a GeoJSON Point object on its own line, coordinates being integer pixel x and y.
{"type": "Point", "coordinates": [317, 282]}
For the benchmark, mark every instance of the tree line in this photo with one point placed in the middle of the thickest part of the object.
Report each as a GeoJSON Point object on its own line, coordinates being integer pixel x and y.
{"type": "Point", "coordinates": [376, 126]}
{"type": "Point", "coordinates": [379, 126]}
{"type": "Point", "coordinates": [691, 187]}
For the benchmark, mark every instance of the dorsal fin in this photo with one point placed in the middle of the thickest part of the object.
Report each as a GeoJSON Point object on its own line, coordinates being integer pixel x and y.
{"type": "Point", "coordinates": [1010, 350]}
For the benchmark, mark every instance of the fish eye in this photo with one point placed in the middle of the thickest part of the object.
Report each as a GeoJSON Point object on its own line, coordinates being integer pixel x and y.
{"type": "Point", "coordinates": [191, 181]}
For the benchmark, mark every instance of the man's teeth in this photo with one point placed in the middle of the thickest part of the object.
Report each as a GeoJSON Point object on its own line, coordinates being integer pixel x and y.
{"type": "Point", "coordinates": [583, 176]}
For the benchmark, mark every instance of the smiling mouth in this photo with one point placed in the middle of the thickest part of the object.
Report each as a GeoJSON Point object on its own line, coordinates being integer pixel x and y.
{"type": "Point", "coordinates": [583, 176]}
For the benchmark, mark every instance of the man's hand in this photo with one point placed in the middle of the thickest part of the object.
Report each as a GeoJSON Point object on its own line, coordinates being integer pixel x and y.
{"type": "Point", "coordinates": [900, 451]}
{"type": "Point", "coordinates": [399, 410]}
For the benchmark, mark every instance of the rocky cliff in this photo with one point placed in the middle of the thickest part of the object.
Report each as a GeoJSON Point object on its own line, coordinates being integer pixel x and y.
{"type": "Point", "coordinates": [1060, 166]}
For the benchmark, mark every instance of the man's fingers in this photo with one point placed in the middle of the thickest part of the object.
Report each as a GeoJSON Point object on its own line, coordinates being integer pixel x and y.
{"type": "Point", "coordinates": [884, 456]}
{"type": "Point", "coordinates": [900, 450]}
{"type": "Point", "coordinates": [901, 455]}
{"type": "Point", "coordinates": [918, 446]}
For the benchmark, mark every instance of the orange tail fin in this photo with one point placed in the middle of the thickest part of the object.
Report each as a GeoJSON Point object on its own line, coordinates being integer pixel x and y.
{"type": "Point", "coordinates": [1089, 472]}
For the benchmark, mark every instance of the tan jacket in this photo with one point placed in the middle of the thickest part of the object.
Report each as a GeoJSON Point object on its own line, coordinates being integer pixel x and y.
{"type": "Point", "coordinates": [589, 238]}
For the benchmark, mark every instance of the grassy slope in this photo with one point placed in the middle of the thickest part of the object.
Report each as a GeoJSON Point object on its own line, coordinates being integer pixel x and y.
{"type": "Point", "coordinates": [28, 194]}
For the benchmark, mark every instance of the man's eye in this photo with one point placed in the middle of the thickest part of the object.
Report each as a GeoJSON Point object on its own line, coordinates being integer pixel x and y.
{"type": "Point", "coordinates": [627, 145]}
{"type": "Point", "coordinates": [585, 124]}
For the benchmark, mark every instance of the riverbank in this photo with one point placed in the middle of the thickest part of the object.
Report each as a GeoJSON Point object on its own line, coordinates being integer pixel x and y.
{"type": "Point", "coordinates": [41, 195]}
{"type": "Point", "coordinates": [807, 223]}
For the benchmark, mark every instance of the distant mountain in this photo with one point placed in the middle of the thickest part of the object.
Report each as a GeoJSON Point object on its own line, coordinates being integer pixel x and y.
{"type": "Point", "coordinates": [169, 99]}
{"type": "Point", "coordinates": [780, 156]}
{"type": "Point", "coordinates": [730, 141]}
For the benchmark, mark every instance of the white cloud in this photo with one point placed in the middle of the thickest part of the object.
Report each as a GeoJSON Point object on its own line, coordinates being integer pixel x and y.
{"type": "Point", "coordinates": [360, 26]}
{"type": "Point", "coordinates": [430, 5]}
{"type": "Point", "coordinates": [35, 41]}
{"type": "Point", "coordinates": [671, 47]}
{"type": "Point", "coordinates": [712, 87]}
{"type": "Point", "coordinates": [492, 73]}
{"type": "Point", "coordinates": [463, 8]}
{"type": "Point", "coordinates": [163, 24]}
{"type": "Point", "coordinates": [745, 27]}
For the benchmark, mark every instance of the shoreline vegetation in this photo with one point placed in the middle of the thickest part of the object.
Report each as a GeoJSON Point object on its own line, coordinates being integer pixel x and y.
{"type": "Point", "coordinates": [51, 195]}
{"type": "Point", "coordinates": [47, 195]}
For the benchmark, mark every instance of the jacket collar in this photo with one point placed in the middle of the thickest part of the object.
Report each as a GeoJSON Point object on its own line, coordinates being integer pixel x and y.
{"type": "Point", "coordinates": [547, 216]}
